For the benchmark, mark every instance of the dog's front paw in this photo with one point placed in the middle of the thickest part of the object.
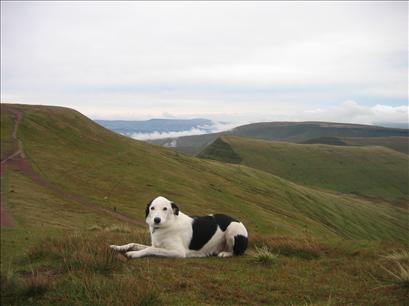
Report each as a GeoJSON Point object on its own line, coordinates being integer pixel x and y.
{"type": "Point", "coordinates": [132, 254]}
{"type": "Point", "coordinates": [114, 247]}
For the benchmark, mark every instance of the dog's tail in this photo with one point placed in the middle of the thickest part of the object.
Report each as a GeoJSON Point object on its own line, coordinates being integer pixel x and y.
{"type": "Point", "coordinates": [240, 244]}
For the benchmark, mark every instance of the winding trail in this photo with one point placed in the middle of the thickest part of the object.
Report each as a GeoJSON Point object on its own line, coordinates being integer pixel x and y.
{"type": "Point", "coordinates": [19, 161]}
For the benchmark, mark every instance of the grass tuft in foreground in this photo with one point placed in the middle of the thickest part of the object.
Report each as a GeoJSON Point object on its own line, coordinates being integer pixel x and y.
{"type": "Point", "coordinates": [264, 256]}
{"type": "Point", "coordinates": [399, 270]}
{"type": "Point", "coordinates": [402, 255]}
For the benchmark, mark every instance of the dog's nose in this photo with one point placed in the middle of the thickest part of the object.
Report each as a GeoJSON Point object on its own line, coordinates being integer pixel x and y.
{"type": "Point", "coordinates": [156, 220]}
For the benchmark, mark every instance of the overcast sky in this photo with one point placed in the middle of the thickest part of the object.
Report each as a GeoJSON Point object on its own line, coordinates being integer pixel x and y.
{"type": "Point", "coordinates": [243, 61]}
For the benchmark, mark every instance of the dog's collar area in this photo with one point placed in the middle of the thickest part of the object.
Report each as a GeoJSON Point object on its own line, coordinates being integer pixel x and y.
{"type": "Point", "coordinates": [155, 228]}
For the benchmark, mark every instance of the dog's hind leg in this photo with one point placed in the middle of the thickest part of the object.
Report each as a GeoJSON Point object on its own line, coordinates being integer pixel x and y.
{"type": "Point", "coordinates": [236, 240]}
{"type": "Point", "coordinates": [225, 254]}
{"type": "Point", "coordinates": [128, 247]}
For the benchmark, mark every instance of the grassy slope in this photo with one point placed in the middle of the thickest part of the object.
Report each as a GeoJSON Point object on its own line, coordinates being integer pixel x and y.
{"type": "Point", "coordinates": [113, 171]}
{"type": "Point", "coordinates": [370, 171]}
{"type": "Point", "coordinates": [7, 144]}
{"type": "Point", "coordinates": [400, 144]}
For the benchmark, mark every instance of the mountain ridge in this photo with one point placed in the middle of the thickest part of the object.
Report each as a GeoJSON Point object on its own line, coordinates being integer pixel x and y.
{"type": "Point", "coordinates": [295, 132]}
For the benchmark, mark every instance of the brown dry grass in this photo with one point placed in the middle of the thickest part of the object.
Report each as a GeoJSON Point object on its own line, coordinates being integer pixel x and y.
{"type": "Point", "coordinates": [306, 248]}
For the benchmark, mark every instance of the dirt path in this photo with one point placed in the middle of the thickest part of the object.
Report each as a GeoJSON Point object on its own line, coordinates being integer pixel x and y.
{"type": "Point", "coordinates": [5, 219]}
{"type": "Point", "coordinates": [19, 161]}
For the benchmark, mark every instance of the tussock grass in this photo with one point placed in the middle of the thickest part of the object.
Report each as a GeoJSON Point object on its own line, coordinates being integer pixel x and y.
{"type": "Point", "coordinates": [76, 252]}
{"type": "Point", "coordinates": [86, 270]}
{"type": "Point", "coordinates": [264, 256]}
{"type": "Point", "coordinates": [402, 255]}
{"type": "Point", "coordinates": [116, 228]}
{"type": "Point", "coordinates": [124, 290]}
{"type": "Point", "coordinates": [95, 227]}
{"type": "Point", "coordinates": [400, 274]}
{"type": "Point", "coordinates": [96, 278]}
{"type": "Point", "coordinates": [16, 289]}
{"type": "Point", "coordinates": [399, 271]}
{"type": "Point", "coordinates": [307, 248]}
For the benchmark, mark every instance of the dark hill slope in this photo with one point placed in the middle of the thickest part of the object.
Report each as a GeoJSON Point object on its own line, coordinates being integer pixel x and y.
{"type": "Point", "coordinates": [334, 141]}
{"type": "Point", "coordinates": [302, 131]}
{"type": "Point", "coordinates": [79, 157]}
{"type": "Point", "coordinates": [370, 171]}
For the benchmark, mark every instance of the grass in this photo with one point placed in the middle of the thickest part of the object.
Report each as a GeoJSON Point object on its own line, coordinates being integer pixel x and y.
{"type": "Point", "coordinates": [8, 145]}
{"type": "Point", "coordinates": [222, 150]}
{"type": "Point", "coordinates": [400, 274]}
{"type": "Point", "coordinates": [119, 228]}
{"type": "Point", "coordinates": [91, 277]}
{"type": "Point", "coordinates": [339, 168]}
{"type": "Point", "coordinates": [397, 143]}
{"type": "Point", "coordinates": [398, 270]}
{"type": "Point", "coordinates": [264, 256]}
{"type": "Point", "coordinates": [305, 248]}
{"type": "Point", "coordinates": [328, 244]}
{"type": "Point", "coordinates": [76, 253]}
{"type": "Point", "coordinates": [402, 255]}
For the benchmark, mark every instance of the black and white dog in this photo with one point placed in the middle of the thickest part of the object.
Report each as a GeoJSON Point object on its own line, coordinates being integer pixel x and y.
{"type": "Point", "coordinates": [174, 234]}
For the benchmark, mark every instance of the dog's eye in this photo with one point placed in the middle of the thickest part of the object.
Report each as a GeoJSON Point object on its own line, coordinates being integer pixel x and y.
{"type": "Point", "coordinates": [165, 208]}
{"type": "Point", "coordinates": [152, 208]}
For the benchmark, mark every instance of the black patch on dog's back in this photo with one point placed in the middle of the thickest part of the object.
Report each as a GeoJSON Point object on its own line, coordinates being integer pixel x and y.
{"type": "Point", "coordinates": [240, 244]}
{"type": "Point", "coordinates": [223, 221]}
{"type": "Point", "coordinates": [203, 230]}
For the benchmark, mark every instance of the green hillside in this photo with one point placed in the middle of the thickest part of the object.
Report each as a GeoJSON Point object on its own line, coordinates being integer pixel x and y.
{"type": "Point", "coordinates": [375, 172]}
{"type": "Point", "coordinates": [397, 143]}
{"type": "Point", "coordinates": [400, 144]}
{"type": "Point", "coordinates": [77, 176]}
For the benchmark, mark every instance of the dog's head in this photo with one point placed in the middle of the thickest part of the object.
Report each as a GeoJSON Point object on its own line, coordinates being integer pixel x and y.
{"type": "Point", "coordinates": [160, 212]}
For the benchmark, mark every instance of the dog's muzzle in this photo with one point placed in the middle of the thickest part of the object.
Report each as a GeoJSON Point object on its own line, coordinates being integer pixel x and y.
{"type": "Point", "coordinates": [156, 220]}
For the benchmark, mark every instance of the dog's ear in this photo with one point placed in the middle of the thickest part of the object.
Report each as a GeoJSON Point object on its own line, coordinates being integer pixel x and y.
{"type": "Point", "coordinates": [147, 208]}
{"type": "Point", "coordinates": [175, 209]}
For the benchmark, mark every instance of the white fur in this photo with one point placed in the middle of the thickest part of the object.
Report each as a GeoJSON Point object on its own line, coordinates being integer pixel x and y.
{"type": "Point", "coordinates": [171, 237]}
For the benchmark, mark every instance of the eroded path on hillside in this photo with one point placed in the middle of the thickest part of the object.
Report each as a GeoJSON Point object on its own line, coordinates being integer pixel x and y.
{"type": "Point", "coordinates": [18, 160]}
{"type": "Point", "coordinates": [5, 219]}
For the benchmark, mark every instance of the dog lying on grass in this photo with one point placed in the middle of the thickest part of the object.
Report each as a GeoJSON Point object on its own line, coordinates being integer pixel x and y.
{"type": "Point", "coordinates": [174, 234]}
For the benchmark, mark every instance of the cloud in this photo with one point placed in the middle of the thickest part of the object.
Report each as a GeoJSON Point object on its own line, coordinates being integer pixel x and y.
{"type": "Point", "coordinates": [139, 58]}
{"type": "Point", "coordinates": [158, 135]}
{"type": "Point", "coordinates": [348, 112]}
{"type": "Point", "coordinates": [352, 112]}
{"type": "Point", "coordinates": [200, 130]}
